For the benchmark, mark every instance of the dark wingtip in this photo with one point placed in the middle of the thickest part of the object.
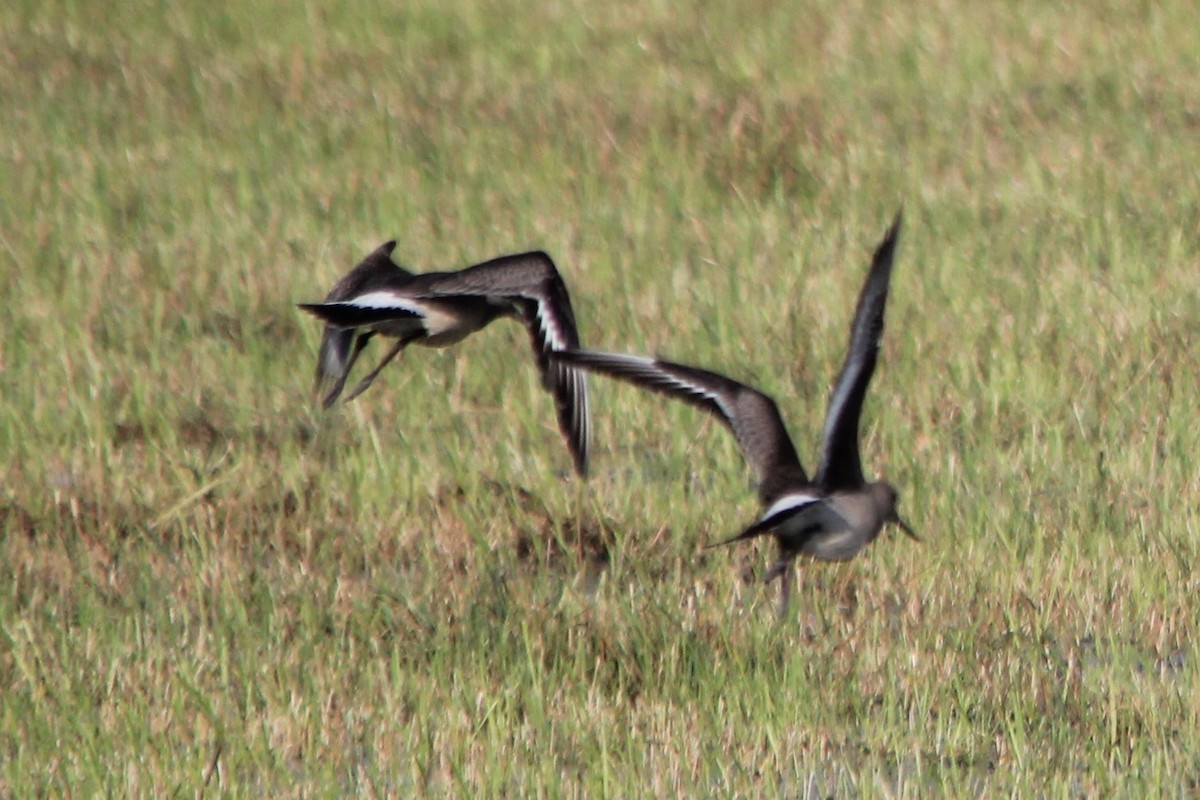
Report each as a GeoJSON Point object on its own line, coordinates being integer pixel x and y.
{"type": "Point", "coordinates": [892, 235]}
{"type": "Point", "coordinates": [885, 252]}
{"type": "Point", "coordinates": [581, 461]}
{"type": "Point", "coordinates": [573, 412]}
{"type": "Point", "coordinates": [383, 253]}
{"type": "Point", "coordinates": [579, 456]}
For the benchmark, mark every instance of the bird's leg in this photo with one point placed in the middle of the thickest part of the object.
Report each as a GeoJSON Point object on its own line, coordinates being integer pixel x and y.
{"type": "Point", "coordinates": [786, 581]}
{"type": "Point", "coordinates": [359, 344]}
{"type": "Point", "coordinates": [579, 535]}
{"type": "Point", "coordinates": [845, 604]}
{"type": "Point", "coordinates": [785, 571]}
{"type": "Point", "coordinates": [366, 382]}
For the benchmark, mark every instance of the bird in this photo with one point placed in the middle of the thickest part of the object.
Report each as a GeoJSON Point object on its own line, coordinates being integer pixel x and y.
{"type": "Point", "coordinates": [837, 512]}
{"type": "Point", "coordinates": [438, 309]}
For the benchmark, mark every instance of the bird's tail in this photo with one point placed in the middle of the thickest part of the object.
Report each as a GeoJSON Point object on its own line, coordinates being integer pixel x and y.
{"type": "Point", "coordinates": [353, 314]}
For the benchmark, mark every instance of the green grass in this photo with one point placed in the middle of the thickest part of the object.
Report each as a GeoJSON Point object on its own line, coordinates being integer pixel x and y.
{"type": "Point", "coordinates": [212, 586]}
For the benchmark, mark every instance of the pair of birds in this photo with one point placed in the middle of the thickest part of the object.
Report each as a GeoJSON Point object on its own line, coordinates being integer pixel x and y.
{"type": "Point", "coordinates": [830, 516]}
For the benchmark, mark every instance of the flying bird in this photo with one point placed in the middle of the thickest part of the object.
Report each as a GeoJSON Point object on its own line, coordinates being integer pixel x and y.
{"type": "Point", "coordinates": [437, 309]}
{"type": "Point", "coordinates": [836, 513]}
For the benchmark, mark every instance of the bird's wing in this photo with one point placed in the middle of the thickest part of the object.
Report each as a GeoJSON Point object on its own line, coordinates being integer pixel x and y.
{"type": "Point", "coordinates": [751, 415]}
{"type": "Point", "coordinates": [841, 466]}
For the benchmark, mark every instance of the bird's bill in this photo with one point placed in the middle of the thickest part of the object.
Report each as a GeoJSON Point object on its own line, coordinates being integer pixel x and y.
{"type": "Point", "coordinates": [905, 527]}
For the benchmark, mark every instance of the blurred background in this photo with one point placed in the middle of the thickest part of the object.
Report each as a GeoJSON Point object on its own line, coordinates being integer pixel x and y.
{"type": "Point", "coordinates": [213, 583]}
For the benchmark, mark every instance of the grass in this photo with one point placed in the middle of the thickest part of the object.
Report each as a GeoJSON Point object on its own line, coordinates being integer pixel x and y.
{"type": "Point", "coordinates": [210, 586]}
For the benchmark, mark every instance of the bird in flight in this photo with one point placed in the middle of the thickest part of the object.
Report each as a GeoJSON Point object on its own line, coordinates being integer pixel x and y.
{"type": "Point", "coordinates": [836, 513]}
{"type": "Point", "coordinates": [437, 309]}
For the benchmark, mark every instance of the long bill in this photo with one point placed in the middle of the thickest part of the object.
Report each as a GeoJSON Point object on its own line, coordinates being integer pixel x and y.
{"type": "Point", "coordinates": [905, 527]}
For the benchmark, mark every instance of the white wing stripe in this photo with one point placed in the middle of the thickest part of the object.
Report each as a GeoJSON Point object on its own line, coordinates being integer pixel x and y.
{"type": "Point", "coordinates": [790, 501]}
{"type": "Point", "coordinates": [383, 300]}
{"type": "Point", "coordinates": [549, 325]}
{"type": "Point", "coordinates": [701, 391]}
{"type": "Point", "coordinates": [649, 370]}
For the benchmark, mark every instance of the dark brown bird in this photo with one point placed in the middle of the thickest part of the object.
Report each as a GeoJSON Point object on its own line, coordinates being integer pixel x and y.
{"type": "Point", "coordinates": [838, 512]}
{"type": "Point", "coordinates": [437, 309]}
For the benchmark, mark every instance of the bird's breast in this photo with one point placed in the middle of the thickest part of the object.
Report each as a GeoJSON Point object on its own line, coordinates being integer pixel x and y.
{"type": "Point", "coordinates": [449, 322]}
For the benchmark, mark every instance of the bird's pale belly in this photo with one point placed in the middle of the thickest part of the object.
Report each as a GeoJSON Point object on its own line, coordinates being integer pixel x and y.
{"type": "Point", "coordinates": [827, 536]}
{"type": "Point", "coordinates": [449, 323]}
{"type": "Point", "coordinates": [833, 539]}
{"type": "Point", "coordinates": [836, 545]}
{"type": "Point", "coordinates": [436, 328]}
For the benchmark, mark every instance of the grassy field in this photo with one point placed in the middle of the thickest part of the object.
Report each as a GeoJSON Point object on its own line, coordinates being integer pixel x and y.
{"type": "Point", "coordinates": [212, 587]}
